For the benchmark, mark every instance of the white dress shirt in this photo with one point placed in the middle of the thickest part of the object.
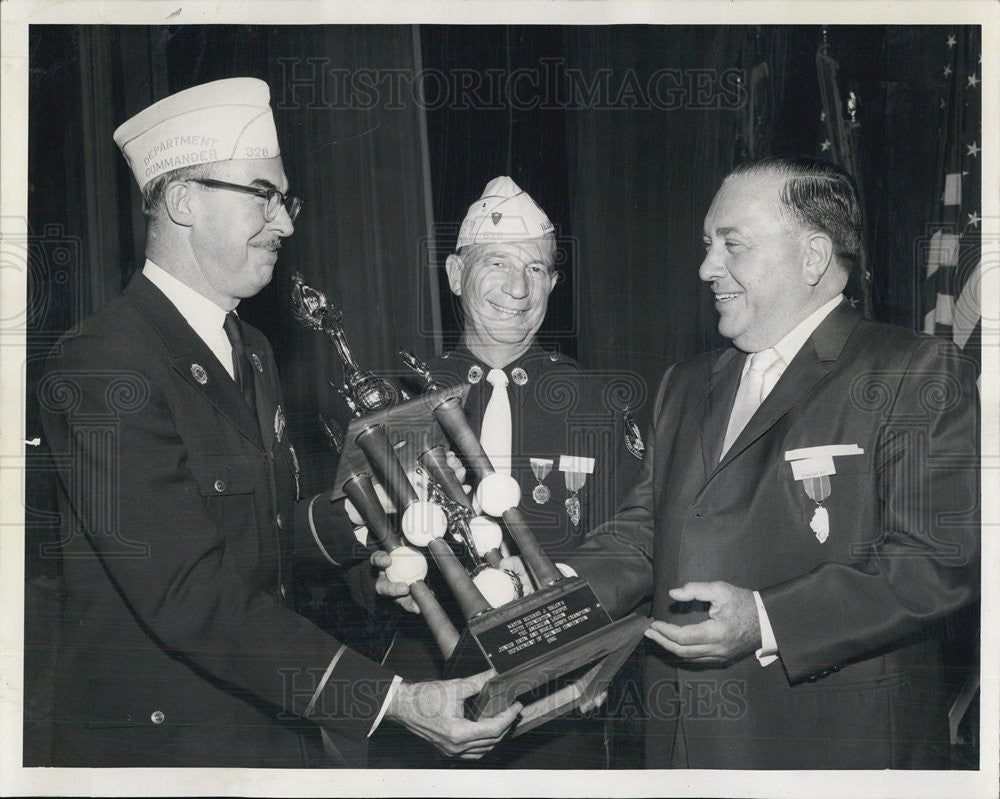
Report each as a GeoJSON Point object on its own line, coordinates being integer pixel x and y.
{"type": "Point", "coordinates": [787, 349]}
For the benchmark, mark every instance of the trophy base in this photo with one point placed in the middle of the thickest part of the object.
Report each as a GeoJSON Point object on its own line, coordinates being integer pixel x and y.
{"type": "Point", "coordinates": [554, 649]}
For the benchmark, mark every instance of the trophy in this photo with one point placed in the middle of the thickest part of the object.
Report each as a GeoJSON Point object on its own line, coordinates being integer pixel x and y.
{"type": "Point", "coordinates": [362, 391]}
{"type": "Point", "coordinates": [555, 648]}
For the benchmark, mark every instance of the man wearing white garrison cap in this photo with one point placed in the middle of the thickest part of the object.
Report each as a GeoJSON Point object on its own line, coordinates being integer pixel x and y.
{"type": "Point", "coordinates": [540, 417]}
{"type": "Point", "coordinates": [177, 647]}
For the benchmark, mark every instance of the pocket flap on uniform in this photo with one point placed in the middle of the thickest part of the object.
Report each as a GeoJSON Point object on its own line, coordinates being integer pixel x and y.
{"type": "Point", "coordinates": [221, 474]}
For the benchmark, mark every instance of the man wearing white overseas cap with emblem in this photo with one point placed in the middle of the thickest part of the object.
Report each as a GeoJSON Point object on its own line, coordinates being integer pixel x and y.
{"type": "Point", "coordinates": [177, 647]}
{"type": "Point", "coordinates": [540, 418]}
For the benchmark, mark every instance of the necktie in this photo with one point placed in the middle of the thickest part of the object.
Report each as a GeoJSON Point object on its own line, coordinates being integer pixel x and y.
{"type": "Point", "coordinates": [758, 380]}
{"type": "Point", "coordinates": [495, 435]}
{"type": "Point", "coordinates": [242, 368]}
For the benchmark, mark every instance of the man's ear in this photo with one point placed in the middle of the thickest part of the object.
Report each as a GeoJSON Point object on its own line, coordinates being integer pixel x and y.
{"type": "Point", "coordinates": [818, 257]}
{"type": "Point", "coordinates": [454, 266]}
{"type": "Point", "coordinates": [177, 200]}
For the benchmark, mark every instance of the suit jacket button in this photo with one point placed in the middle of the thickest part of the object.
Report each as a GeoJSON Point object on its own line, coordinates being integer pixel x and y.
{"type": "Point", "coordinates": [220, 485]}
{"type": "Point", "coordinates": [284, 593]}
{"type": "Point", "coordinates": [280, 521]}
{"type": "Point", "coordinates": [157, 717]}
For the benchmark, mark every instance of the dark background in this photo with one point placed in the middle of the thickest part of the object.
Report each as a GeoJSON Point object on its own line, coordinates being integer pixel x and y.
{"type": "Point", "coordinates": [387, 178]}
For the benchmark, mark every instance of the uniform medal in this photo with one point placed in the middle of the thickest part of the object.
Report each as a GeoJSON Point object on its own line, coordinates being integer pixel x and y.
{"type": "Point", "coordinates": [812, 466]}
{"type": "Point", "coordinates": [574, 482]}
{"type": "Point", "coordinates": [818, 489]}
{"type": "Point", "coordinates": [575, 470]}
{"type": "Point", "coordinates": [541, 468]}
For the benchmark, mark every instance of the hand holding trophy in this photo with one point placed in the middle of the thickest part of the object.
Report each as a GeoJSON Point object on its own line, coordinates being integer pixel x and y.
{"type": "Point", "coordinates": [557, 642]}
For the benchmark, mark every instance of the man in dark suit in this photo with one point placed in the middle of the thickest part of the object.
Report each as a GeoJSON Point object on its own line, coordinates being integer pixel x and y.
{"type": "Point", "coordinates": [807, 512]}
{"type": "Point", "coordinates": [180, 497]}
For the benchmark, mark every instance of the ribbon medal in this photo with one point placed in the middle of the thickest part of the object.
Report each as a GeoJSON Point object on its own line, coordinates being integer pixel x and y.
{"type": "Point", "coordinates": [575, 471]}
{"type": "Point", "coordinates": [818, 489]}
{"type": "Point", "coordinates": [812, 467]}
{"type": "Point", "coordinates": [541, 468]}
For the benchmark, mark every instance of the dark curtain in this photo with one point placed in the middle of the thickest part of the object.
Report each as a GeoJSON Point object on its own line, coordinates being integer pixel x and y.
{"type": "Point", "coordinates": [641, 180]}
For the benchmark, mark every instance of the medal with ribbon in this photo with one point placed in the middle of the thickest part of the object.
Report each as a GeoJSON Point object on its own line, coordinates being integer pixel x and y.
{"type": "Point", "coordinates": [812, 466]}
{"type": "Point", "coordinates": [541, 467]}
{"type": "Point", "coordinates": [575, 471]}
{"type": "Point", "coordinates": [818, 489]}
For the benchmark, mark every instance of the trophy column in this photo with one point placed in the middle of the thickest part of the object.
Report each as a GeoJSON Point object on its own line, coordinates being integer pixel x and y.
{"type": "Point", "coordinates": [499, 494]}
{"type": "Point", "coordinates": [423, 523]}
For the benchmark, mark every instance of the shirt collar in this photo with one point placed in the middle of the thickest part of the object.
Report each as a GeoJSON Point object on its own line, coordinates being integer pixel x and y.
{"type": "Point", "coordinates": [528, 361]}
{"type": "Point", "coordinates": [790, 345]}
{"type": "Point", "coordinates": [200, 312]}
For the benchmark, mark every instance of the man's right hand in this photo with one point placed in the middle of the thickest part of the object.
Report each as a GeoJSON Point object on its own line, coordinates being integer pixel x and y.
{"type": "Point", "coordinates": [385, 587]}
{"type": "Point", "coordinates": [435, 711]}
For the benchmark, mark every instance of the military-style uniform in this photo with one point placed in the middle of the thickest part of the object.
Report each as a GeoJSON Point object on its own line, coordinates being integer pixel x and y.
{"type": "Point", "coordinates": [557, 409]}
{"type": "Point", "coordinates": [179, 509]}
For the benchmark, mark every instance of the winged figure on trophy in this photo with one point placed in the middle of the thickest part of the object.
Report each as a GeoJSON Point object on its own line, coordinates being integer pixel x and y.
{"type": "Point", "coordinates": [530, 635]}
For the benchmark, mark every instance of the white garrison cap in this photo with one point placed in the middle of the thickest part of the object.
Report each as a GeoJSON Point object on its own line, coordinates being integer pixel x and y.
{"type": "Point", "coordinates": [503, 213]}
{"type": "Point", "coordinates": [218, 121]}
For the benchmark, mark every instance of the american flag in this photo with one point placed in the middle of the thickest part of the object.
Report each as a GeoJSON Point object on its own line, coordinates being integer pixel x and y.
{"type": "Point", "coordinates": [951, 296]}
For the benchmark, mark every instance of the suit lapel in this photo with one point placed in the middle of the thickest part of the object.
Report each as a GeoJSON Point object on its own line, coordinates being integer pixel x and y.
{"type": "Point", "coordinates": [722, 386]}
{"type": "Point", "coordinates": [191, 357]}
{"type": "Point", "coordinates": [813, 362]}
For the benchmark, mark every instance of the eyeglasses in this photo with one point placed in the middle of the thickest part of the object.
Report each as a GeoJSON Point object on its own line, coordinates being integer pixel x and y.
{"type": "Point", "coordinates": [273, 198]}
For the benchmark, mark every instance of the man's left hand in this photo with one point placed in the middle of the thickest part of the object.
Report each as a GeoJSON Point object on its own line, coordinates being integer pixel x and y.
{"type": "Point", "coordinates": [731, 632]}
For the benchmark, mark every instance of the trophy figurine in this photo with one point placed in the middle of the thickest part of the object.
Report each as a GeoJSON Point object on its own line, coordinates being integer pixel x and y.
{"type": "Point", "coordinates": [362, 391]}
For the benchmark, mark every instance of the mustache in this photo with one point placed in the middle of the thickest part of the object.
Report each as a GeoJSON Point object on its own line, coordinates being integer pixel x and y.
{"type": "Point", "coordinates": [270, 244]}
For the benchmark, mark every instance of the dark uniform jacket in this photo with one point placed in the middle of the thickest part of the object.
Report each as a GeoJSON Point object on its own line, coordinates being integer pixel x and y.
{"type": "Point", "coordinates": [558, 409]}
{"type": "Point", "coordinates": [854, 614]}
{"type": "Point", "coordinates": [178, 514]}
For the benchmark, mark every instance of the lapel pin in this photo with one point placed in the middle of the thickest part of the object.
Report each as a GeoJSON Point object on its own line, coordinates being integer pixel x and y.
{"type": "Point", "coordinates": [256, 362]}
{"type": "Point", "coordinates": [198, 373]}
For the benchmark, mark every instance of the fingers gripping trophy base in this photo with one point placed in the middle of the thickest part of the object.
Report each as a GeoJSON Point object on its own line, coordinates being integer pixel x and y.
{"type": "Point", "coordinates": [558, 645]}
